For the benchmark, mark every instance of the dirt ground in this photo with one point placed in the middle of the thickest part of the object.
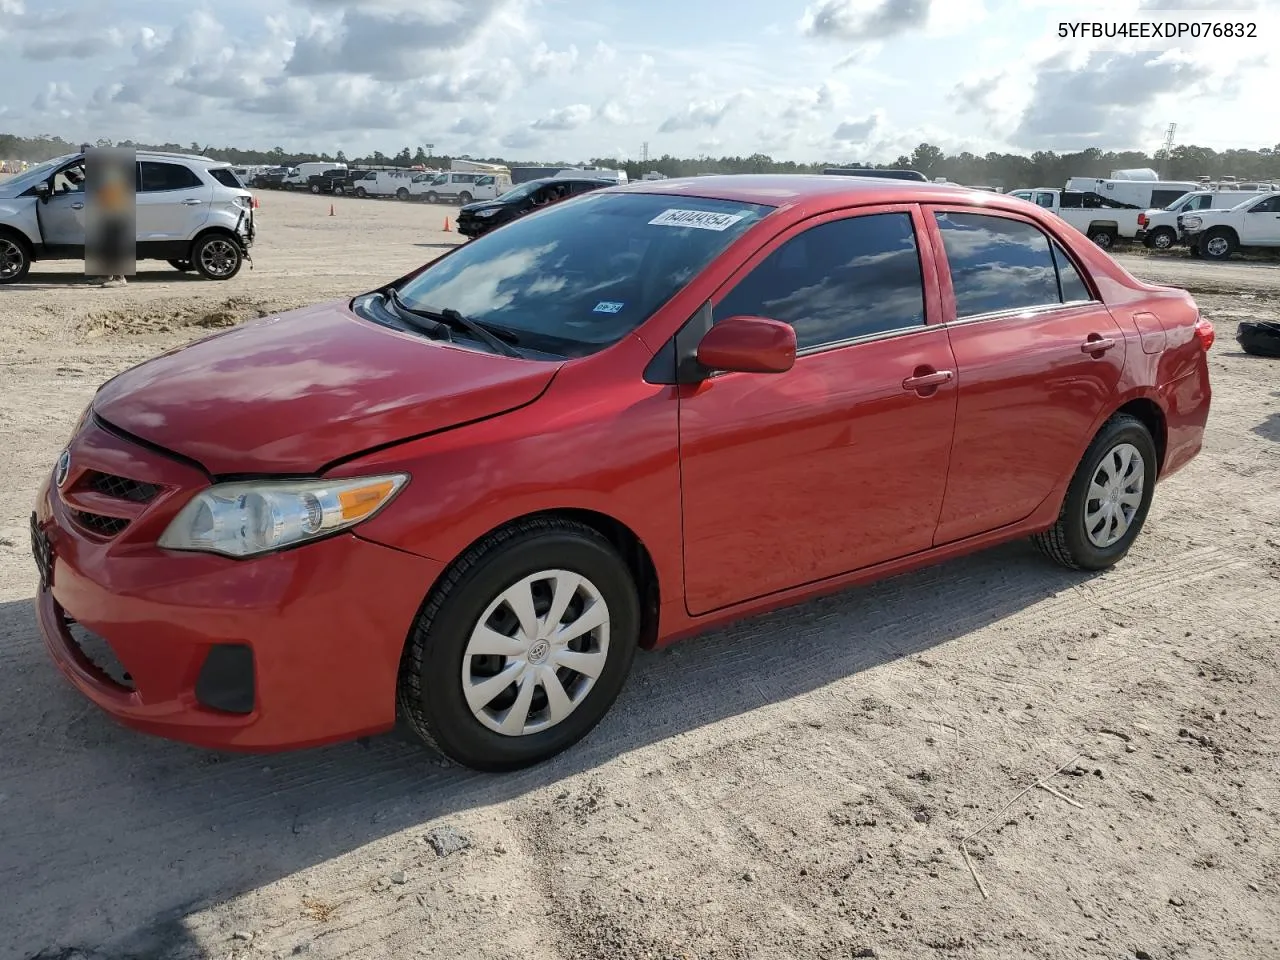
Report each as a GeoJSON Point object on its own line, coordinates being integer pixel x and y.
{"type": "Point", "coordinates": [793, 787]}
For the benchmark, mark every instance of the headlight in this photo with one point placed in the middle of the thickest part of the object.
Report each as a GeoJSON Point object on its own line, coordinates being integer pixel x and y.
{"type": "Point", "coordinates": [84, 416]}
{"type": "Point", "coordinates": [244, 519]}
{"type": "Point", "coordinates": [486, 213]}
{"type": "Point", "coordinates": [1191, 223]}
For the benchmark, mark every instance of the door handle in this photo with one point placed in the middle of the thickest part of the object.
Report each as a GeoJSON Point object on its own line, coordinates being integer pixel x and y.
{"type": "Point", "coordinates": [1097, 344]}
{"type": "Point", "coordinates": [924, 381]}
{"type": "Point", "coordinates": [77, 206]}
{"type": "Point", "coordinates": [191, 201]}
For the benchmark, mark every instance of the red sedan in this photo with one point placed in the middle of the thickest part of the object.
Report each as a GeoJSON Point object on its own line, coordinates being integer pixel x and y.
{"type": "Point", "coordinates": [469, 496]}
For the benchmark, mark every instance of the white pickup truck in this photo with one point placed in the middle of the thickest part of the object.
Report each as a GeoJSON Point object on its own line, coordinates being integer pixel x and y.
{"type": "Point", "coordinates": [1217, 234]}
{"type": "Point", "coordinates": [1102, 220]}
{"type": "Point", "coordinates": [1158, 227]}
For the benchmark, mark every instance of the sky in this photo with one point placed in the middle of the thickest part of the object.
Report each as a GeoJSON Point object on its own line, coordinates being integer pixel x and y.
{"type": "Point", "coordinates": [809, 80]}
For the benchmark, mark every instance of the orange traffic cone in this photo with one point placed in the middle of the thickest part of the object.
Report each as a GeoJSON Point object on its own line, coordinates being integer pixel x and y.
{"type": "Point", "coordinates": [256, 203]}
{"type": "Point", "coordinates": [446, 224]}
{"type": "Point", "coordinates": [331, 209]}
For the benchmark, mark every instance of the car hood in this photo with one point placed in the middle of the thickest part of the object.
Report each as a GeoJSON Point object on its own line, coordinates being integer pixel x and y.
{"type": "Point", "coordinates": [293, 393]}
{"type": "Point", "coordinates": [482, 205]}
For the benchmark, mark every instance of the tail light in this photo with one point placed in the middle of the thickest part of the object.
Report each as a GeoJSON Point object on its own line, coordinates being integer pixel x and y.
{"type": "Point", "coordinates": [1204, 333]}
{"type": "Point", "coordinates": [1142, 219]}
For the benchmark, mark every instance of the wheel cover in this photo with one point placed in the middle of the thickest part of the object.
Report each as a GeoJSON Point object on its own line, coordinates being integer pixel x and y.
{"type": "Point", "coordinates": [1102, 239]}
{"type": "Point", "coordinates": [1162, 240]}
{"type": "Point", "coordinates": [219, 257]}
{"type": "Point", "coordinates": [1217, 246]}
{"type": "Point", "coordinates": [1115, 495]}
{"type": "Point", "coordinates": [12, 259]}
{"type": "Point", "coordinates": [536, 653]}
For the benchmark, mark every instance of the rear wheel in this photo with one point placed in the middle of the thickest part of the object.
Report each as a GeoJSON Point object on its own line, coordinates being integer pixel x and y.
{"type": "Point", "coordinates": [523, 647]}
{"type": "Point", "coordinates": [1107, 501]}
{"type": "Point", "coordinates": [15, 258]}
{"type": "Point", "coordinates": [464, 198]}
{"type": "Point", "coordinates": [315, 188]}
{"type": "Point", "coordinates": [402, 194]}
{"type": "Point", "coordinates": [1161, 239]}
{"type": "Point", "coordinates": [1103, 238]}
{"type": "Point", "coordinates": [433, 197]}
{"type": "Point", "coordinates": [217, 257]}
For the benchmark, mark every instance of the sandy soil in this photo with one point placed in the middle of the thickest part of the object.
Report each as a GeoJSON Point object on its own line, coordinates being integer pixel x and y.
{"type": "Point", "coordinates": [794, 787]}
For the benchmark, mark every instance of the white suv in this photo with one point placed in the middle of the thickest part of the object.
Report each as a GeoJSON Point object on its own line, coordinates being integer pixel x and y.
{"type": "Point", "coordinates": [191, 211]}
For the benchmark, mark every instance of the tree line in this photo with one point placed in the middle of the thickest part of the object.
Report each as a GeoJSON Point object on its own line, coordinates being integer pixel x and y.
{"type": "Point", "coordinates": [1004, 170]}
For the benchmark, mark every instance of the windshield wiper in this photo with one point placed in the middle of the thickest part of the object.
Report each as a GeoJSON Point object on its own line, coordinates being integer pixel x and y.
{"type": "Point", "coordinates": [414, 318]}
{"type": "Point", "coordinates": [452, 318]}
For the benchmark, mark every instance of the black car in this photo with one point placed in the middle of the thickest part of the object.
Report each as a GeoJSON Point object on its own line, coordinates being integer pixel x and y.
{"type": "Point", "coordinates": [482, 216]}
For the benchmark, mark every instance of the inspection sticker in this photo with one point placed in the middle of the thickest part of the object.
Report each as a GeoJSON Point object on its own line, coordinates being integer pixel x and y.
{"type": "Point", "coordinates": [699, 219]}
{"type": "Point", "coordinates": [608, 306]}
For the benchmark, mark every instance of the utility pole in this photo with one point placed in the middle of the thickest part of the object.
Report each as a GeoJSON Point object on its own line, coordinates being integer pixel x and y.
{"type": "Point", "coordinates": [1168, 149]}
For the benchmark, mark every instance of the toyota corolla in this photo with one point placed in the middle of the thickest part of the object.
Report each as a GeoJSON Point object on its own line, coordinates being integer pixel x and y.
{"type": "Point", "coordinates": [468, 497]}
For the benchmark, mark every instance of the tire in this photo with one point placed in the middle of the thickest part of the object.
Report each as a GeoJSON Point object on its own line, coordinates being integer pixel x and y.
{"type": "Point", "coordinates": [433, 197]}
{"type": "Point", "coordinates": [1103, 238]}
{"type": "Point", "coordinates": [1259, 338]}
{"type": "Point", "coordinates": [1161, 239]}
{"type": "Point", "coordinates": [1068, 541]}
{"type": "Point", "coordinates": [217, 256]}
{"type": "Point", "coordinates": [1217, 245]}
{"type": "Point", "coordinates": [315, 188]}
{"type": "Point", "coordinates": [431, 695]}
{"type": "Point", "coordinates": [184, 266]}
{"type": "Point", "coordinates": [361, 192]}
{"type": "Point", "coordinates": [402, 194]}
{"type": "Point", "coordinates": [15, 257]}
{"type": "Point", "coordinates": [464, 198]}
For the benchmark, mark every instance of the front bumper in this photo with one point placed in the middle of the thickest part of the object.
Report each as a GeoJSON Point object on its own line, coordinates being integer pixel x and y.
{"type": "Point", "coordinates": [287, 650]}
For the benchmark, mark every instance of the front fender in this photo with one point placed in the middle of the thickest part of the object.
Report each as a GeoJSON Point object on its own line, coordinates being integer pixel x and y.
{"type": "Point", "coordinates": [19, 213]}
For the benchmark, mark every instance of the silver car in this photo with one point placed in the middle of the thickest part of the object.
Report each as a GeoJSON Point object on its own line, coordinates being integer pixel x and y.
{"type": "Point", "coordinates": [190, 211]}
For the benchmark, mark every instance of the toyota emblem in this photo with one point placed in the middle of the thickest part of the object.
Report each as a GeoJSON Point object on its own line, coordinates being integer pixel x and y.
{"type": "Point", "coordinates": [63, 469]}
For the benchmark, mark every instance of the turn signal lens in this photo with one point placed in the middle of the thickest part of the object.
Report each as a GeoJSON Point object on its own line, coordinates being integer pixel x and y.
{"type": "Point", "coordinates": [1204, 333]}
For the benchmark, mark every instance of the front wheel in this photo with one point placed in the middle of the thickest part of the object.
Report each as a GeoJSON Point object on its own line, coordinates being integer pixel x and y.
{"type": "Point", "coordinates": [464, 198]}
{"type": "Point", "coordinates": [433, 197]}
{"type": "Point", "coordinates": [217, 257]}
{"type": "Point", "coordinates": [1217, 245]}
{"type": "Point", "coordinates": [523, 647]}
{"type": "Point", "coordinates": [1107, 502]}
{"type": "Point", "coordinates": [15, 259]}
{"type": "Point", "coordinates": [361, 192]}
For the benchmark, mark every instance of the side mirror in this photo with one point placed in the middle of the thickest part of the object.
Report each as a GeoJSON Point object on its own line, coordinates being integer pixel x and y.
{"type": "Point", "coordinates": [42, 191]}
{"type": "Point", "coordinates": [749, 345]}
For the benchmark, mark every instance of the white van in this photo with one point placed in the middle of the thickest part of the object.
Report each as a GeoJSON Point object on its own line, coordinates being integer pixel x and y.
{"type": "Point", "coordinates": [301, 175]}
{"type": "Point", "coordinates": [462, 188]}
{"type": "Point", "coordinates": [1133, 194]}
{"type": "Point", "coordinates": [384, 183]}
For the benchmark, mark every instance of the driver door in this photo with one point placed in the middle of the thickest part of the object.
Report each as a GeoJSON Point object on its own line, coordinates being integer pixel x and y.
{"type": "Point", "coordinates": [62, 219]}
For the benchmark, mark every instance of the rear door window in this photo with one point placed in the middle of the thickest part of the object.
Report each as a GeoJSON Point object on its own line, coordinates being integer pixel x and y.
{"type": "Point", "coordinates": [997, 264]}
{"type": "Point", "coordinates": [157, 177]}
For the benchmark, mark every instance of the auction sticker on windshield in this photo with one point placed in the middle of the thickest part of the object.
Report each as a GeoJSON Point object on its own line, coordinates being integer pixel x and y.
{"type": "Point", "coordinates": [699, 219]}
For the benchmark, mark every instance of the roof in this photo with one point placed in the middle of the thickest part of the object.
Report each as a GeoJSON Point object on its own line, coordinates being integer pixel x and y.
{"type": "Point", "coordinates": [784, 189]}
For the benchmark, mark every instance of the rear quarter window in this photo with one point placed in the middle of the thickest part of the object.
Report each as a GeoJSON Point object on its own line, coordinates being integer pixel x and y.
{"type": "Point", "coordinates": [226, 177]}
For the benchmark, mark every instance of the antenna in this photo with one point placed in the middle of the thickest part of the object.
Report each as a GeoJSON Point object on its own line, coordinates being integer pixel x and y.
{"type": "Point", "coordinates": [1167, 149]}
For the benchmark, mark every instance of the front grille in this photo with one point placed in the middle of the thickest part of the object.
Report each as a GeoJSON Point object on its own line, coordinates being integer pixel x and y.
{"type": "Point", "coordinates": [98, 523]}
{"type": "Point", "coordinates": [99, 653]}
{"type": "Point", "coordinates": [122, 488]}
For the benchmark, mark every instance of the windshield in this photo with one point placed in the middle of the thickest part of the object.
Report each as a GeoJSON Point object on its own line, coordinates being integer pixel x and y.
{"type": "Point", "coordinates": [27, 179]}
{"type": "Point", "coordinates": [583, 274]}
{"type": "Point", "coordinates": [523, 190]}
{"type": "Point", "coordinates": [1180, 202]}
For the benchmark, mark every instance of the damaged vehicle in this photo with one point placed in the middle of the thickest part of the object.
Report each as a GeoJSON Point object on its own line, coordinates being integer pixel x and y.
{"type": "Point", "coordinates": [190, 211]}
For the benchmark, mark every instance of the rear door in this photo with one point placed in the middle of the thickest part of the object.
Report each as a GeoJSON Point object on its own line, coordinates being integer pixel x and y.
{"type": "Point", "coordinates": [839, 463]}
{"type": "Point", "coordinates": [1038, 358]}
{"type": "Point", "coordinates": [172, 202]}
